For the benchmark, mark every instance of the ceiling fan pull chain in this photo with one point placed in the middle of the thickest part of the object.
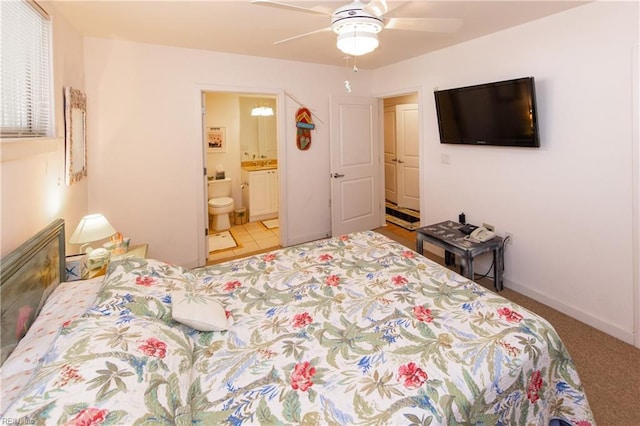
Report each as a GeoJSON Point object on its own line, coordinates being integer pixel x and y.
{"type": "Point", "coordinates": [347, 84]}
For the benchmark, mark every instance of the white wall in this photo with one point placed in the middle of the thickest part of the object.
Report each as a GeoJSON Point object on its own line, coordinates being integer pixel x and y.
{"type": "Point", "coordinates": [145, 151]}
{"type": "Point", "coordinates": [32, 172]}
{"type": "Point", "coordinates": [567, 204]}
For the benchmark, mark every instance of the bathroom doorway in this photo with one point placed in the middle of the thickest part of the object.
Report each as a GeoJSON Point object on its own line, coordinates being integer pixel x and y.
{"type": "Point", "coordinates": [248, 157]}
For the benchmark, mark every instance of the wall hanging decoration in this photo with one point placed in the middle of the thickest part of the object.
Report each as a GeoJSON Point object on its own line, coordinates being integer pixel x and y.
{"type": "Point", "coordinates": [216, 139]}
{"type": "Point", "coordinates": [75, 134]}
{"type": "Point", "coordinates": [304, 125]}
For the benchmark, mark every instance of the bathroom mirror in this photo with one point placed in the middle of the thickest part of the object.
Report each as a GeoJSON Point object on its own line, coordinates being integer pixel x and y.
{"type": "Point", "coordinates": [258, 136]}
{"type": "Point", "coordinates": [75, 115]}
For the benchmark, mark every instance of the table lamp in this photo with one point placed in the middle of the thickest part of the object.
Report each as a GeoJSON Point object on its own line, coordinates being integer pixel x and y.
{"type": "Point", "coordinates": [93, 227]}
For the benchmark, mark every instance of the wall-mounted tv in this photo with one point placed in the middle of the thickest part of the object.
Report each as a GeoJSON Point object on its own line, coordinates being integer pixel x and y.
{"type": "Point", "coordinates": [501, 113]}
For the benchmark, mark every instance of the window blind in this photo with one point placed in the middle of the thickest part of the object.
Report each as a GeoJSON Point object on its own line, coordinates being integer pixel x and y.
{"type": "Point", "coordinates": [25, 70]}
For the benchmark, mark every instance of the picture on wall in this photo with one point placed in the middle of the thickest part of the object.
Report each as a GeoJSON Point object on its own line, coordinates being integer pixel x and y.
{"type": "Point", "coordinates": [216, 139]}
{"type": "Point", "coordinates": [75, 130]}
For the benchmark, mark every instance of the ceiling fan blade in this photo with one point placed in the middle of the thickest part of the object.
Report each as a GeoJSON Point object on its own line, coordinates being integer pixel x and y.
{"type": "Point", "coordinates": [314, 11]}
{"type": "Point", "coordinates": [434, 25]}
{"type": "Point", "coordinates": [302, 35]}
{"type": "Point", "coordinates": [376, 7]}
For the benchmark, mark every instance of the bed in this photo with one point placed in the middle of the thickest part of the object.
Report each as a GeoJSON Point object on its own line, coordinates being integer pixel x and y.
{"type": "Point", "coordinates": [355, 329]}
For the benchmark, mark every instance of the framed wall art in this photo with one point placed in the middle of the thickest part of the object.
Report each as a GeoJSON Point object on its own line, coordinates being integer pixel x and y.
{"type": "Point", "coordinates": [75, 134]}
{"type": "Point", "coordinates": [216, 139]}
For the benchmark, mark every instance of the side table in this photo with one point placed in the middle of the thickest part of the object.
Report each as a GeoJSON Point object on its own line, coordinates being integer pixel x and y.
{"type": "Point", "coordinates": [139, 250]}
{"type": "Point", "coordinates": [447, 236]}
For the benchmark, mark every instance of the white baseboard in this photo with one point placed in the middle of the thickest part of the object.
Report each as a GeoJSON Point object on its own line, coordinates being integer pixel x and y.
{"type": "Point", "coordinates": [626, 336]}
{"type": "Point", "coordinates": [595, 322]}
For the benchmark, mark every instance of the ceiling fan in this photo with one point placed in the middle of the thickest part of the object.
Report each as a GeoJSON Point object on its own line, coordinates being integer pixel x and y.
{"type": "Point", "coordinates": [357, 24]}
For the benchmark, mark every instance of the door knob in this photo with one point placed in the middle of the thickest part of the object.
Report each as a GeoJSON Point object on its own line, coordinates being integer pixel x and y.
{"type": "Point", "coordinates": [337, 175]}
{"type": "Point", "coordinates": [394, 159]}
{"type": "Point", "coordinates": [400, 161]}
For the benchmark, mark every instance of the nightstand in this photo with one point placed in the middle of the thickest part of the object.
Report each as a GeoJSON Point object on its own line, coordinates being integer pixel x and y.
{"type": "Point", "coordinates": [139, 250]}
{"type": "Point", "coordinates": [76, 267]}
{"type": "Point", "coordinates": [97, 272]}
{"type": "Point", "coordinates": [447, 235]}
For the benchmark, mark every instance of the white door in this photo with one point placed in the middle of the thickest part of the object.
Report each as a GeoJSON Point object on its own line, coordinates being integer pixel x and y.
{"type": "Point", "coordinates": [408, 181]}
{"type": "Point", "coordinates": [390, 155]}
{"type": "Point", "coordinates": [355, 166]}
{"type": "Point", "coordinates": [203, 255]}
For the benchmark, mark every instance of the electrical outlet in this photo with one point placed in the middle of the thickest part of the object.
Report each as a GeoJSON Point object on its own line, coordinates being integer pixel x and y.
{"type": "Point", "coordinates": [489, 227]}
{"type": "Point", "coordinates": [508, 236]}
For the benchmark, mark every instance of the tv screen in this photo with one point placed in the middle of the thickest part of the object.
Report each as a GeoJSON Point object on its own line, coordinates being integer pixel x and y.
{"type": "Point", "coordinates": [501, 113]}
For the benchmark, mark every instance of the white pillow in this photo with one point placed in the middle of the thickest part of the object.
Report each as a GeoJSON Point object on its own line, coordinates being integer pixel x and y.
{"type": "Point", "coordinates": [199, 311]}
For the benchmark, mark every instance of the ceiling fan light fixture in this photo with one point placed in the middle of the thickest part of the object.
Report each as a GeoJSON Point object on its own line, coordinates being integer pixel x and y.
{"type": "Point", "coordinates": [357, 43]}
{"type": "Point", "coordinates": [357, 29]}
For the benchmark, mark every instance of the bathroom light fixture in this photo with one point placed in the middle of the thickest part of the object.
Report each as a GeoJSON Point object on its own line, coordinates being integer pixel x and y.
{"type": "Point", "coordinates": [262, 111]}
{"type": "Point", "coordinates": [358, 32]}
{"type": "Point", "coordinates": [93, 227]}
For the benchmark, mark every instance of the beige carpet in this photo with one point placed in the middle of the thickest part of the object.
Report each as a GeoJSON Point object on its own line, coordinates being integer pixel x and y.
{"type": "Point", "coordinates": [608, 367]}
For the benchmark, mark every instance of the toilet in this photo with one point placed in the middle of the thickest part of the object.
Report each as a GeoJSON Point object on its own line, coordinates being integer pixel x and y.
{"type": "Point", "coordinates": [220, 203]}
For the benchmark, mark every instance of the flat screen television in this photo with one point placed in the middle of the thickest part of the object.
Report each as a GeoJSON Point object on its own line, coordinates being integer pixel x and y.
{"type": "Point", "coordinates": [501, 113]}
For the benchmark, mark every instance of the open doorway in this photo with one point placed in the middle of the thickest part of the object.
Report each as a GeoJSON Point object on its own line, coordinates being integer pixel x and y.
{"type": "Point", "coordinates": [240, 141]}
{"type": "Point", "coordinates": [402, 161]}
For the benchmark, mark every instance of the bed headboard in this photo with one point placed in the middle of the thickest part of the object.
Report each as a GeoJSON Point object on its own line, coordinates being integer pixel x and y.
{"type": "Point", "coordinates": [28, 275]}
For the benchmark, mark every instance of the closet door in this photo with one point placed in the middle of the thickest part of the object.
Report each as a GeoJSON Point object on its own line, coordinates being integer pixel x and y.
{"type": "Point", "coordinates": [408, 164]}
{"type": "Point", "coordinates": [390, 155]}
{"type": "Point", "coordinates": [355, 165]}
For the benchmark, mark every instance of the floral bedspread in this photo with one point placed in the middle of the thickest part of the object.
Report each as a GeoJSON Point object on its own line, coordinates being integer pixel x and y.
{"type": "Point", "coordinates": [348, 330]}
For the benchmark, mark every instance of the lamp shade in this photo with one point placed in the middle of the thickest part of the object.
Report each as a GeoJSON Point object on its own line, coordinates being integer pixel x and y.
{"type": "Point", "coordinates": [93, 227]}
{"type": "Point", "coordinates": [356, 43]}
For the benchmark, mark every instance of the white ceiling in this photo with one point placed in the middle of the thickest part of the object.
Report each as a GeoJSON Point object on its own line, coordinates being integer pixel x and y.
{"type": "Point", "coordinates": [250, 29]}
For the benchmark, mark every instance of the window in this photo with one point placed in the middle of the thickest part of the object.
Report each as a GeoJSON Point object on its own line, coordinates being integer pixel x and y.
{"type": "Point", "coordinates": [25, 70]}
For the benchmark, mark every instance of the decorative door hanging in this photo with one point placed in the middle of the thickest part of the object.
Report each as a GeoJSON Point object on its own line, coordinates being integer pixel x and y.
{"type": "Point", "coordinates": [305, 126]}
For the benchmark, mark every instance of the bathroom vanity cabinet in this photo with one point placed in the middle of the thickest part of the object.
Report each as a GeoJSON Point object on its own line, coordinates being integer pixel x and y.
{"type": "Point", "coordinates": [260, 193]}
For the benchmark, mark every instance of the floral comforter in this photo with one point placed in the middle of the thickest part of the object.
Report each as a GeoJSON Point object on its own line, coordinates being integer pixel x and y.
{"type": "Point", "coordinates": [348, 330]}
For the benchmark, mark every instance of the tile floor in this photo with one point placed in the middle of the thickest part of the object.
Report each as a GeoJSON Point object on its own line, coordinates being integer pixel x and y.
{"type": "Point", "coordinates": [252, 237]}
